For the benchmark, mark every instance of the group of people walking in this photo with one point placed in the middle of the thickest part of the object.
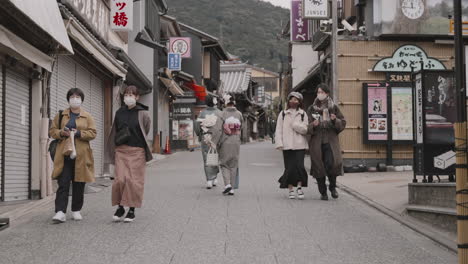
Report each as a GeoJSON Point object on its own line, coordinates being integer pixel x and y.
{"type": "Point", "coordinates": [297, 131]}
{"type": "Point", "coordinates": [127, 147]}
{"type": "Point", "coordinates": [315, 130]}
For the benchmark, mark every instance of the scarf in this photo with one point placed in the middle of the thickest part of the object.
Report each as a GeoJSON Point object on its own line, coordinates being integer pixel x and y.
{"type": "Point", "coordinates": [318, 106]}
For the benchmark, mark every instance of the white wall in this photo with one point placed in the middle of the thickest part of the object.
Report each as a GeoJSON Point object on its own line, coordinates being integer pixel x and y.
{"type": "Point", "coordinates": [303, 59]}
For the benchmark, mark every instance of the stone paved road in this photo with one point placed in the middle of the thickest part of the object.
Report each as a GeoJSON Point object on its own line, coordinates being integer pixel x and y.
{"type": "Point", "coordinates": [183, 223]}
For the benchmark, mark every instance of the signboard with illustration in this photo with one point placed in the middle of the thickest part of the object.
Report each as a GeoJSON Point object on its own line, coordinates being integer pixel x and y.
{"type": "Point", "coordinates": [435, 116]}
{"type": "Point", "coordinates": [414, 17]}
{"type": "Point", "coordinates": [299, 26]}
{"type": "Point", "coordinates": [402, 113]}
{"type": "Point", "coordinates": [376, 112]}
{"type": "Point", "coordinates": [316, 9]}
{"type": "Point", "coordinates": [181, 45]}
{"type": "Point", "coordinates": [408, 57]}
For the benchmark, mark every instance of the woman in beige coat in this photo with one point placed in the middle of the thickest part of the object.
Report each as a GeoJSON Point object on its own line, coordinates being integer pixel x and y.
{"type": "Point", "coordinates": [68, 169]}
{"type": "Point", "coordinates": [129, 151]}
{"type": "Point", "coordinates": [291, 129]}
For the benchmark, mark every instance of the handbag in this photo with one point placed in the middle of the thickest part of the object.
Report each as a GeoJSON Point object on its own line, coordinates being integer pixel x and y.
{"type": "Point", "coordinates": [54, 143]}
{"type": "Point", "coordinates": [122, 136]}
{"type": "Point", "coordinates": [68, 147]}
{"type": "Point", "coordinates": [212, 158]}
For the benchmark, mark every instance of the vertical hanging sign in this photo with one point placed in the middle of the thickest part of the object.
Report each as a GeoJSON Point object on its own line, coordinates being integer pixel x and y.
{"type": "Point", "coordinates": [299, 26]}
{"type": "Point", "coordinates": [121, 18]}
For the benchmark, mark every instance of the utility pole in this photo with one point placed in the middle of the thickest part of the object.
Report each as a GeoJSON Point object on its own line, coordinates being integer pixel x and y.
{"type": "Point", "coordinates": [461, 138]}
{"type": "Point", "coordinates": [334, 54]}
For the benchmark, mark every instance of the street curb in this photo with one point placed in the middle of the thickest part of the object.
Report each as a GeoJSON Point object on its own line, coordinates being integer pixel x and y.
{"type": "Point", "coordinates": [27, 208]}
{"type": "Point", "coordinates": [447, 243]}
{"type": "Point", "coordinates": [167, 156]}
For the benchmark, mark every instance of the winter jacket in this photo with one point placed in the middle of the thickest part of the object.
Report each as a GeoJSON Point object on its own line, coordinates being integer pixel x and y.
{"type": "Point", "coordinates": [291, 130]}
{"type": "Point", "coordinates": [333, 129]}
{"type": "Point", "coordinates": [84, 164]}
{"type": "Point", "coordinates": [145, 124]}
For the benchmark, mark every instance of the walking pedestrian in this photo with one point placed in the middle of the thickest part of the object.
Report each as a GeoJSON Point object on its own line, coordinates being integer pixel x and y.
{"type": "Point", "coordinates": [229, 142]}
{"type": "Point", "coordinates": [204, 128]}
{"type": "Point", "coordinates": [291, 131]}
{"type": "Point", "coordinates": [272, 129]}
{"type": "Point", "coordinates": [327, 122]}
{"type": "Point", "coordinates": [70, 168]}
{"type": "Point", "coordinates": [129, 151]}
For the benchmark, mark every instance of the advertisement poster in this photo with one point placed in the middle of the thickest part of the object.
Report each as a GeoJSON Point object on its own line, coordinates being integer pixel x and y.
{"type": "Point", "coordinates": [402, 113]}
{"type": "Point", "coordinates": [175, 129]}
{"type": "Point", "coordinates": [377, 112]}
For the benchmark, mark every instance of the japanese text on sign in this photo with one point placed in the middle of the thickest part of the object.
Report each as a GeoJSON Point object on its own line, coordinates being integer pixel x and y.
{"type": "Point", "coordinates": [122, 15]}
{"type": "Point", "coordinates": [299, 27]}
{"type": "Point", "coordinates": [406, 58]}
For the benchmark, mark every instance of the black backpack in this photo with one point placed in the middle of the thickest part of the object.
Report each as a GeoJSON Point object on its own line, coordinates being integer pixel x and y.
{"type": "Point", "coordinates": [54, 143]}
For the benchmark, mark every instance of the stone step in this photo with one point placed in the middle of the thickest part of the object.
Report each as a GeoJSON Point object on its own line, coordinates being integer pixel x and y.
{"type": "Point", "coordinates": [442, 217]}
{"type": "Point", "coordinates": [432, 194]}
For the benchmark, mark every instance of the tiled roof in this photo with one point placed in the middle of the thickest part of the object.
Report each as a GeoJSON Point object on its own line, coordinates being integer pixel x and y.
{"type": "Point", "coordinates": [235, 78]}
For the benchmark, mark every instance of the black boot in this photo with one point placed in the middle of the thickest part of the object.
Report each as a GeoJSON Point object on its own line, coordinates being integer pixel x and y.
{"type": "Point", "coordinates": [334, 193]}
{"type": "Point", "coordinates": [324, 197]}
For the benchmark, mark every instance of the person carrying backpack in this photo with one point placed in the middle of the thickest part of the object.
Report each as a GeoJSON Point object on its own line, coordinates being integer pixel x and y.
{"type": "Point", "coordinates": [204, 128]}
{"type": "Point", "coordinates": [290, 138]}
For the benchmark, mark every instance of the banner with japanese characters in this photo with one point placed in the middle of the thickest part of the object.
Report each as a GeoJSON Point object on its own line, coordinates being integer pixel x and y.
{"type": "Point", "coordinates": [299, 26]}
{"type": "Point", "coordinates": [121, 15]}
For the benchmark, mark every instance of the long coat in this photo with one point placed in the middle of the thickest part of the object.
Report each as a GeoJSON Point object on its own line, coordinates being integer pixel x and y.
{"type": "Point", "coordinates": [315, 144]}
{"type": "Point", "coordinates": [84, 164]}
{"type": "Point", "coordinates": [145, 124]}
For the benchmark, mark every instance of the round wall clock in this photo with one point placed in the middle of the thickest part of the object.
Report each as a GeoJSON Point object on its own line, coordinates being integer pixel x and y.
{"type": "Point", "coordinates": [412, 9]}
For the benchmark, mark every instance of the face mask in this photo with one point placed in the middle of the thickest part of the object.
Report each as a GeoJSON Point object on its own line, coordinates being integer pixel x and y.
{"type": "Point", "coordinates": [293, 104]}
{"type": "Point", "coordinates": [130, 100]}
{"type": "Point", "coordinates": [322, 96]}
{"type": "Point", "coordinates": [75, 102]}
{"type": "Point", "coordinates": [215, 101]}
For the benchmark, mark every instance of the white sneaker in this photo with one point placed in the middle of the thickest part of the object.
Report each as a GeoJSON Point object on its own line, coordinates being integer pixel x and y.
{"type": "Point", "coordinates": [292, 195]}
{"type": "Point", "coordinates": [209, 184]}
{"type": "Point", "coordinates": [300, 193]}
{"type": "Point", "coordinates": [59, 217]}
{"type": "Point", "coordinates": [215, 182]}
{"type": "Point", "coordinates": [231, 192]}
{"type": "Point", "coordinates": [77, 216]}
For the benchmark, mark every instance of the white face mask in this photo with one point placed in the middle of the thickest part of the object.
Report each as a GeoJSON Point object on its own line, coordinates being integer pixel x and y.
{"type": "Point", "coordinates": [215, 101]}
{"type": "Point", "coordinates": [322, 96]}
{"type": "Point", "coordinates": [130, 100]}
{"type": "Point", "coordinates": [75, 102]}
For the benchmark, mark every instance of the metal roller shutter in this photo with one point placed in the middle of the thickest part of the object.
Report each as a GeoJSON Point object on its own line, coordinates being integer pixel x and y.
{"type": "Point", "coordinates": [63, 79]}
{"type": "Point", "coordinates": [17, 137]}
{"type": "Point", "coordinates": [97, 110]}
{"type": "Point", "coordinates": [1, 128]}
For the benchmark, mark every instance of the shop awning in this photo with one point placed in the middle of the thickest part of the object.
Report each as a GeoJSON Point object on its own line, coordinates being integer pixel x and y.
{"type": "Point", "coordinates": [24, 49]}
{"type": "Point", "coordinates": [172, 86]}
{"type": "Point", "coordinates": [81, 35]}
{"type": "Point", "coordinates": [46, 15]}
{"type": "Point", "coordinates": [313, 76]}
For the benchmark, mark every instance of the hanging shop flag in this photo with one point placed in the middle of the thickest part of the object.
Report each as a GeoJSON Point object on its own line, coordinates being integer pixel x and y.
{"type": "Point", "coordinates": [316, 9]}
{"type": "Point", "coordinates": [121, 18]}
{"type": "Point", "coordinates": [299, 26]}
{"type": "Point", "coordinates": [375, 112]}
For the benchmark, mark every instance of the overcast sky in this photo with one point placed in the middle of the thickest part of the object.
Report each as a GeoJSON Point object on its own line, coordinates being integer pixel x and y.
{"type": "Point", "coordinates": [283, 3]}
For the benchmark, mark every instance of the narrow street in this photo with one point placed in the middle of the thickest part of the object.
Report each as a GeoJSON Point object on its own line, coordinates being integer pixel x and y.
{"type": "Point", "coordinates": [182, 222]}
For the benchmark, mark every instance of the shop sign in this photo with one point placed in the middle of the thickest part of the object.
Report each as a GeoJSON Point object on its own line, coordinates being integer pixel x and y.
{"type": "Point", "coordinates": [419, 108]}
{"type": "Point", "coordinates": [316, 9]}
{"type": "Point", "coordinates": [398, 77]}
{"type": "Point", "coordinates": [299, 26]}
{"type": "Point", "coordinates": [408, 58]}
{"type": "Point", "coordinates": [94, 13]}
{"type": "Point", "coordinates": [182, 111]}
{"type": "Point", "coordinates": [183, 46]}
{"type": "Point", "coordinates": [174, 61]}
{"type": "Point", "coordinates": [121, 18]}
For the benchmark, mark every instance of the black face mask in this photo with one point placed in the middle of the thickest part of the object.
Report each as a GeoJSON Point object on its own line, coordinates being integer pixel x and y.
{"type": "Point", "coordinates": [293, 105]}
